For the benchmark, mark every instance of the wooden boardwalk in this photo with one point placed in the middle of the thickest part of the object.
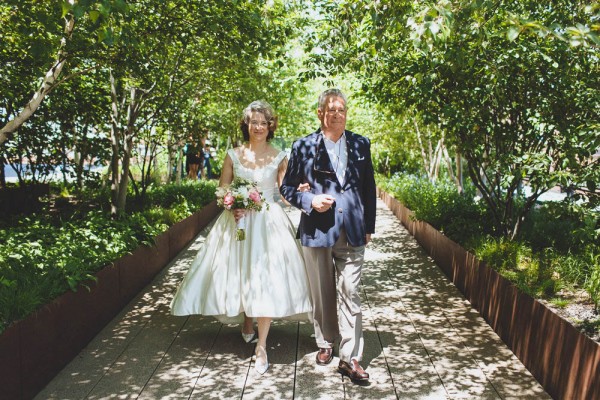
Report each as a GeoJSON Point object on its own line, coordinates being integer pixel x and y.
{"type": "Point", "coordinates": [422, 341]}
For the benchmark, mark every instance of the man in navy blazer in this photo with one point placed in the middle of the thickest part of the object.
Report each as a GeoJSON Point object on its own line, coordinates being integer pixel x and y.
{"type": "Point", "coordinates": [337, 220]}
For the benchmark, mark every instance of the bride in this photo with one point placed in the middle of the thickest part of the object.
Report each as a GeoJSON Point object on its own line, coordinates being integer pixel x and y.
{"type": "Point", "coordinates": [263, 276]}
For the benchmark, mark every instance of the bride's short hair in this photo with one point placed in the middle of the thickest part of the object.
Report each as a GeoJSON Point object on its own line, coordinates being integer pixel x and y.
{"type": "Point", "coordinates": [265, 109]}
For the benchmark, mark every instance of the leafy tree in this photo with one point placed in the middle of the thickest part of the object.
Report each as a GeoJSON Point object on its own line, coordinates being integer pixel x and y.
{"type": "Point", "coordinates": [180, 57]}
{"type": "Point", "coordinates": [38, 43]}
{"type": "Point", "coordinates": [518, 109]}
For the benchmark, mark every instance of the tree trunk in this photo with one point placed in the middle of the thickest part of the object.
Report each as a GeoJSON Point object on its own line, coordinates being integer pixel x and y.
{"type": "Point", "coordinates": [135, 105]}
{"type": "Point", "coordinates": [459, 172]}
{"type": "Point", "coordinates": [2, 173]}
{"type": "Point", "coordinates": [179, 166]}
{"type": "Point", "coordinates": [422, 148]}
{"type": "Point", "coordinates": [170, 163]}
{"type": "Point", "coordinates": [78, 156]}
{"type": "Point", "coordinates": [46, 86]}
{"type": "Point", "coordinates": [115, 140]}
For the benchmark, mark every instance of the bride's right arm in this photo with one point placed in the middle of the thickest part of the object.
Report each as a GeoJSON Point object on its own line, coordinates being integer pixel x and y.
{"type": "Point", "coordinates": [225, 180]}
{"type": "Point", "coordinates": [226, 172]}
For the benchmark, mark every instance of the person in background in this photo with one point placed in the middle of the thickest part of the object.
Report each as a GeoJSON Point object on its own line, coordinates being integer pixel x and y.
{"type": "Point", "coordinates": [193, 158]}
{"type": "Point", "coordinates": [207, 168]}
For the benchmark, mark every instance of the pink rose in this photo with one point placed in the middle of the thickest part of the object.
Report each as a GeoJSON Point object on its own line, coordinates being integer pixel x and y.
{"type": "Point", "coordinates": [228, 200]}
{"type": "Point", "coordinates": [254, 196]}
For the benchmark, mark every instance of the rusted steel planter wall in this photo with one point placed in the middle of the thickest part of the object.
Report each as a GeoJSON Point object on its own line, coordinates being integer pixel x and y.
{"type": "Point", "coordinates": [35, 349]}
{"type": "Point", "coordinates": [562, 359]}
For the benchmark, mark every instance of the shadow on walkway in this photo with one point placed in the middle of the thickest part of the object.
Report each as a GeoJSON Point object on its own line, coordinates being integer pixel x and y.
{"type": "Point", "coordinates": [422, 341]}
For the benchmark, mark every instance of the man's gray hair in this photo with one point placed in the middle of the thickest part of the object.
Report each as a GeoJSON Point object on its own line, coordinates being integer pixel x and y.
{"type": "Point", "coordinates": [331, 92]}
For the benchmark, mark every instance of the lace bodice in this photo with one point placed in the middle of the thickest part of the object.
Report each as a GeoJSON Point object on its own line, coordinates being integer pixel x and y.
{"type": "Point", "coordinates": [265, 177]}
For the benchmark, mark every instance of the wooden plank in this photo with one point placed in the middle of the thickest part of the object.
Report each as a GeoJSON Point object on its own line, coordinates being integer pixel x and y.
{"type": "Point", "coordinates": [129, 374]}
{"type": "Point", "coordinates": [177, 373]}
{"type": "Point", "coordinates": [380, 384]}
{"type": "Point", "coordinates": [451, 359]}
{"type": "Point", "coordinates": [84, 372]}
{"type": "Point", "coordinates": [315, 381]}
{"type": "Point", "coordinates": [226, 368]}
{"type": "Point", "coordinates": [407, 359]}
{"type": "Point", "coordinates": [278, 382]}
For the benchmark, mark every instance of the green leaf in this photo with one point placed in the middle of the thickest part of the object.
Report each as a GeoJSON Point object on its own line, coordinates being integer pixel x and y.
{"type": "Point", "coordinates": [78, 11]}
{"type": "Point", "coordinates": [513, 33]}
{"type": "Point", "coordinates": [591, 185]}
{"type": "Point", "coordinates": [66, 8]}
{"type": "Point", "coordinates": [94, 15]}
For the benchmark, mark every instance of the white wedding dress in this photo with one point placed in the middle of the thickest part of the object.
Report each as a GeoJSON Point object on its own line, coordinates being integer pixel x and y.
{"type": "Point", "coordinates": [263, 275]}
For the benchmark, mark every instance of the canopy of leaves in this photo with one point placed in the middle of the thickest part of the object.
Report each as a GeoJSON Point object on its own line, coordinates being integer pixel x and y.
{"type": "Point", "coordinates": [518, 108]}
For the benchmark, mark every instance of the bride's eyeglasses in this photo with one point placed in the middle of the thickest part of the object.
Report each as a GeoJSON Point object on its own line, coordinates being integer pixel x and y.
{"type": "Point", "coordinates": [256, 124]}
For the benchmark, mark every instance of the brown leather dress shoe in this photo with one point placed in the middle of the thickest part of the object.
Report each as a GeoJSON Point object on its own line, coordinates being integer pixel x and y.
{"type": "Point", "coordinates": [324, 356]}
{"type": "Point", "coordinates": [353, 370]}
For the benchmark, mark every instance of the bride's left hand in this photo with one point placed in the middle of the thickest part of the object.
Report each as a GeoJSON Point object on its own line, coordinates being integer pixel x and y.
{"type": "Point", "coordinates": [238, 213]}
{"type": "Point", "coordinates": [304, 187]}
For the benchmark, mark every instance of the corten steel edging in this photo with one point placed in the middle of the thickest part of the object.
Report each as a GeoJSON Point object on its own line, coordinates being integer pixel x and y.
{"type": "Point", "coordinates": [562, 359]}
{"type": "Point", "coordinates": [34, 349]}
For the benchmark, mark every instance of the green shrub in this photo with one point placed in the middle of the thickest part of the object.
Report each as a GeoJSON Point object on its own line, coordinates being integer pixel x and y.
{"type": "Point", "coordinates": [556, 248]}
{"type": "Point", "coordinates": [195, 193]}
{"type": "Point", "coordinates": [440, 204]}
{"type": "Point", "coordinates": [592, 284]}
{"type": "Point", "coordinates": [42, 256]}
{"type": "Point", "coordinates": [562, 226]}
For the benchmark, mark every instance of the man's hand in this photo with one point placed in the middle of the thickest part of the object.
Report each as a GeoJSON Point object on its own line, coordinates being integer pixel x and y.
{"type": "Point", "coordinates": [367, 238]}
{"type": "Point", "coordinates": [322, 202]}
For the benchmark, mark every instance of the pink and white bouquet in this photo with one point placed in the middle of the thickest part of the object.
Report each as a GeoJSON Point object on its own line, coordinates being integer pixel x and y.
{"type": "Point", "coordinates": [243, 194]}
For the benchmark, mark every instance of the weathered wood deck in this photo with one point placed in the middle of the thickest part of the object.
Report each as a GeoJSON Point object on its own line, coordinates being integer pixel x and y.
{"type": "Point", "coordinates": [422, 341]}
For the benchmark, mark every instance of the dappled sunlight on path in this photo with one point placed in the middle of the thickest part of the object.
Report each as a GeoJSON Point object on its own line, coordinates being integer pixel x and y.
{"type": "Point", "coordinates": [422, 341]}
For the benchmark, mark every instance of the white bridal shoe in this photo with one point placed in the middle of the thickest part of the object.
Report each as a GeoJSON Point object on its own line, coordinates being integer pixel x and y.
{"type": "Point", "coordinates": [249, 337]}
{"type": "Point", "coordinates": [261, 364]}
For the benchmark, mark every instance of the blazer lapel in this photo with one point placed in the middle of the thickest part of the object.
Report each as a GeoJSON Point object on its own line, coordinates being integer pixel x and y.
{"type": "Point", "coordinates": [322, 162]}
{"type": "Point", "coordinates": [353, 154]}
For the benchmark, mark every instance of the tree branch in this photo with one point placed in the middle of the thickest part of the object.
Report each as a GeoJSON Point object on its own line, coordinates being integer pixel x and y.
{"type": "Point", "coordinates": [47, 84]}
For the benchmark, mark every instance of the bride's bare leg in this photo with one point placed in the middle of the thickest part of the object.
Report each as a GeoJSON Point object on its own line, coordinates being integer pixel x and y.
{"type": "Point", "coordinates": [264, 323]}
{"type": "Point", "coordinates": [262, 364]}
{"type": "Point", "coordinates": [248, 333]}
{"type": "Point", "coordinates": [248, 326]}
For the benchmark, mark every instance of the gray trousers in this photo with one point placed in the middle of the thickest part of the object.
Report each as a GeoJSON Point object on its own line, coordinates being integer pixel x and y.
{"type": "Point", "coordinates": [342, 316]}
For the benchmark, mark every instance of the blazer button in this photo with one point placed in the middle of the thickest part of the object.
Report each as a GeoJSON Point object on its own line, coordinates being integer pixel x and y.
{"type": "Point", "coordinates": [342, 191]}
{"type": "Point", "coordinates": [340, 209]}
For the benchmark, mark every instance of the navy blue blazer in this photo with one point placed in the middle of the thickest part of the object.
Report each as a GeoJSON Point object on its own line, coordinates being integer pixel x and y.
{"type": "Point", "coordinates": [355, 200]}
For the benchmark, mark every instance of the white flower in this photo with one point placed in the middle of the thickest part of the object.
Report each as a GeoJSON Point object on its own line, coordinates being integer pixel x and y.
{"type": "Point", "coordinates": [221, 191]}
{"type": "Point", "coordinates": [243, 192]}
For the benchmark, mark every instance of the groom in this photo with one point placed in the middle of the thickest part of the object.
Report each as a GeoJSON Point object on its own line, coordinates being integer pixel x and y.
{"type": "Point", "coordinates": [337, 220]}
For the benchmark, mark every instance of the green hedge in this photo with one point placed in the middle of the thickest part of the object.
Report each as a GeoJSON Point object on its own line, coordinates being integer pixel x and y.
{"type": "Point", "coordinates": [556, 249]}
{"type": "Point", "coordinates": [42, 256]}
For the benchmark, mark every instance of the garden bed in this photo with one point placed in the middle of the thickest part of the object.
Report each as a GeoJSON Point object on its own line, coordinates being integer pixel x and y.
{"type": "Point", "coordinates": [35, 349]}
{"type": "Point", "coordinates": [565, 361]}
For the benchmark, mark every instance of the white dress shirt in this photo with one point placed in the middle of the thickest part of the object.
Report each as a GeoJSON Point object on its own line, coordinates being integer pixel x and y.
{"type": "Point", "coordinates": [338, 156]}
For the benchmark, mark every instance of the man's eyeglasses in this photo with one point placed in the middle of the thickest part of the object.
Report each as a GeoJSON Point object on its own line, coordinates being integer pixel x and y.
{"type": "Point", "coordinates": [339, 111]}
{"type": "Point", "coordinates": [317, 157]}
